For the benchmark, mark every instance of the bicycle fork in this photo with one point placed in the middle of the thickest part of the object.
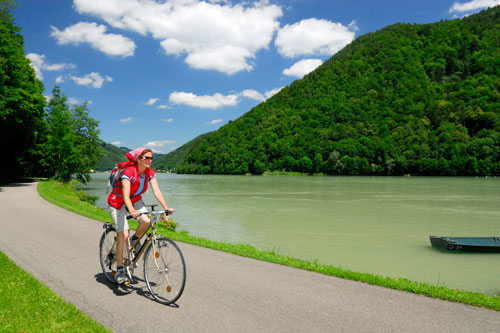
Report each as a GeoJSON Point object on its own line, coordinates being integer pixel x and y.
{"type": "Point", "coordinates": [165, 270]}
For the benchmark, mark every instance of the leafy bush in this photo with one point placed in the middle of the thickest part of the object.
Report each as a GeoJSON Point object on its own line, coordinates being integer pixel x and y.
{"type": "Point", "coordinates": [87, 197]}
{"type": "Point", "coordinates": [169, 224]}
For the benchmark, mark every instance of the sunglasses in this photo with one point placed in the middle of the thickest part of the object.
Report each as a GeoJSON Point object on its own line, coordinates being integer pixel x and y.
{"type": "Point", "coordinates": [147, 158]}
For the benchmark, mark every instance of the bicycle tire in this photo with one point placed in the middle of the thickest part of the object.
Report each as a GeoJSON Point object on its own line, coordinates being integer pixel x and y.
{"type": "Point", "coordinates": [107, 254]}
{"type": "Point", "coordinates": [165, 271]}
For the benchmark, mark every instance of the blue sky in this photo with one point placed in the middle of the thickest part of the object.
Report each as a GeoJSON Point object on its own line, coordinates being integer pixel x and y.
{"type": "Point", "coordinates": [159, 73]}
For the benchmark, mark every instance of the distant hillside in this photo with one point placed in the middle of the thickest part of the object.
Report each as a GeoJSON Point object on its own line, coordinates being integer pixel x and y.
{"type": "Point", "coordinates": [174, 159]}
{"type": "Point", "coordinates": [419, 99]}
{"type": "Point", "coordinates": [112, 155]}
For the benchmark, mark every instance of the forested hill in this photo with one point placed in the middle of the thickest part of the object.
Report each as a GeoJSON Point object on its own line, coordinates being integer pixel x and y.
{"type": "Point", "coordinates": [176, 158]}
{"type": "Point", "coordinates": [113, 155]}
{"type": "Point", "coordinates": [418, 99]}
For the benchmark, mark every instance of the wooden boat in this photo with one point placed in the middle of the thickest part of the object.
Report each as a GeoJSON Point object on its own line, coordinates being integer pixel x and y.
{"type": "Point", "coordinates": [466, 244]}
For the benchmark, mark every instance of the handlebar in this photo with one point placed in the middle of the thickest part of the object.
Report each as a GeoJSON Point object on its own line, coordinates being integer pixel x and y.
{"type": "Point", "coordinates": [167, 212]}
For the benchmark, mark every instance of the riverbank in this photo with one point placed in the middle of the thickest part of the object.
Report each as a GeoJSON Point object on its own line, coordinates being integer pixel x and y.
{"type": "Point", "coordinates": [65, 196]}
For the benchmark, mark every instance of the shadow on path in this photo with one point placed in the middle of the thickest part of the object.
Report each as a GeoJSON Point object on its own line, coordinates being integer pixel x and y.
{"type": "Point", "coordinates": [125, 289]}
{"type": "Point", "coordinates": [23, 182]}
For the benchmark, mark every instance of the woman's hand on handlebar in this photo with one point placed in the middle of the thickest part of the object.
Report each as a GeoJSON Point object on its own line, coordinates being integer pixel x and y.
{"type": "Point", "coordinates": [164, 215]}
{"type": "Point", "coordinates": [135, 213]}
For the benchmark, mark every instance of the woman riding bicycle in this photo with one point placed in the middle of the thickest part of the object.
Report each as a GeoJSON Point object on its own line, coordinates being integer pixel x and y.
{"type": "Point", "coordinates": [127, 199]}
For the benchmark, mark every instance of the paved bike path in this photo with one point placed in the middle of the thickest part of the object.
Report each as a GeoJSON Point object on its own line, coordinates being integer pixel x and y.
{"type": "Point", "coordinates": [224, 293]}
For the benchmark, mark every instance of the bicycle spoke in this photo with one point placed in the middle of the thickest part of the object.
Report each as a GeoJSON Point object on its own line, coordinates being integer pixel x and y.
{"type": "Point", "coordinates": [164, 271]}
{"type": "Point", "coordinates": [107, 254]}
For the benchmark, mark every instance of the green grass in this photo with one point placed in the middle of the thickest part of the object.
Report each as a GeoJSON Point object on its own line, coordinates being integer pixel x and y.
{"type": "Point", "coordinates": [26, 305]}
{"type": "Point", "coordinates": [65, 196]}
{"type": "Point", "coordinates": [52, 190]}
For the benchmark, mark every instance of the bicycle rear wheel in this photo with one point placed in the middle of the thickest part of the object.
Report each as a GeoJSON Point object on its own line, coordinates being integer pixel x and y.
{"type": "Point", "coordinates": [164, 270]}
{"type": "Point", "coordinates": [107, 253]}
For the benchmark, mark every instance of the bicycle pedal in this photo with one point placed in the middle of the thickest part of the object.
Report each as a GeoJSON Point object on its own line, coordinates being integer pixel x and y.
{"type": "Point", "coordinates": [127, 282]}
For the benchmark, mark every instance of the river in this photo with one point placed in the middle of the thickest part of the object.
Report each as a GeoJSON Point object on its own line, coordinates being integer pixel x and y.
{"type": "Point", "coordinates": [377, 225]}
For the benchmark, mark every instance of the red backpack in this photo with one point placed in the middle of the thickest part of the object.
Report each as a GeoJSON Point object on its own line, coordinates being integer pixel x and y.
{"type": "Point", "coordinates": [116, 174]}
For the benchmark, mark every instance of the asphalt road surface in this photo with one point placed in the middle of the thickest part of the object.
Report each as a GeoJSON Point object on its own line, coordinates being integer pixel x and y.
{"type": "Point", "coordinates": [224, 293]}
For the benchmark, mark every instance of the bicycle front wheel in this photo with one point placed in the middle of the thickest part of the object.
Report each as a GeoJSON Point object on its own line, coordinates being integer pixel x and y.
{"type": "Point", "coordinates": [107, 254]}
{"type": "Point", "coordinates": [164, 270]}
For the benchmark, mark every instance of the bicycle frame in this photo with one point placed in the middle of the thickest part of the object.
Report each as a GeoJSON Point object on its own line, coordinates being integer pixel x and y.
{"type": "Point", "coordinates": [150, 238]}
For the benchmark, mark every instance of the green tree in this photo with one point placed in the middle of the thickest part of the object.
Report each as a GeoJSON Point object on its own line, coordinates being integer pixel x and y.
{"type": "Point", "coordinates": [305, 164]}
{"type": "Point", "coordinates": [317, 163]}
{"type": "Point", "coordinates": [259, 167]}
{"type": "Point", "coordinates": [86, 141]}
{"type": "Point", "coordinates": [73, 146]}
{"type": "Point", "coordinates": [60, 157]}
{"type": "Point", "coordinates": [21, 102]}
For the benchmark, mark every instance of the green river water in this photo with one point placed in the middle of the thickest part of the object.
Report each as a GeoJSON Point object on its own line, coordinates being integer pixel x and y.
{"type": "Point", "coordinates": [377, 225]}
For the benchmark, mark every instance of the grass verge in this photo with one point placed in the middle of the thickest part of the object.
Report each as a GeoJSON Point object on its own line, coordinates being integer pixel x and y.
{"type": "Point", "coordinates": [287, 173]}
{"type": "Point", "coordinates": [52, 191]}
{"type": "Point", "coordinates": [27, 305]}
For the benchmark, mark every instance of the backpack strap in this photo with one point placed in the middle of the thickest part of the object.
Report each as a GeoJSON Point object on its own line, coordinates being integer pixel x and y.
{"type": "Point", "coordinates": [135, 177]}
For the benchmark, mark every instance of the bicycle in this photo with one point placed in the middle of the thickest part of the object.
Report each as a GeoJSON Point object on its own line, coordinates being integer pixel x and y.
{"type": "Point", "coordinates": [164, 267]}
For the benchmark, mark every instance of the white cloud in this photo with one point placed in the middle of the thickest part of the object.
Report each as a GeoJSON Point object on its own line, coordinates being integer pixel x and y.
{"type": "Point", "coordinates": [215, 35]}
{"type": "Point", "coordinates": [215, 121]}
{"type": "Point", "coordinates": [58, 67]}
{"type": "Point", "coordinates": [39, 64]}
{"type": "Point", "coordinates": [218, 100]}
{"type": "Point", "coordinates": [253, 94]}
{"type": "Point", "coordinates": [162, 106]}
{"type": "Point", "coordinates": [96, 36]}
{"type": "Point", "coordinates": [73, 101]}
{"type": "Point", "coordinates": [228, 59]}
{"type": "Point", "coordinates": [152, 101]}
{"type": "Point", "coordinates": [160, 145]}
{"type": "Point", "coordinates": [205, 102]}
{"type": "Point", "coordinates": [313, 36]}
{"type": "Point", "coordinates": [472, 5]}
{"type": "Point", "coordinates": [272, 92]}
{"type": "Point", "coordinates": [169, 120]}
{"type": "Point", "coordinates": [117, 143]}
{"type": "Point", "coordinates": [93, 79]}
{"type": "Point", "coordinates": [59, 79]}
{"type": "Point", "coordinates": [126, 120]}
{"type": "Point", "coordinates": [303, 67]}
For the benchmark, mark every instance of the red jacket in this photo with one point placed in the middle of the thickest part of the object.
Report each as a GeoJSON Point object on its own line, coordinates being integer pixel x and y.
{"type": "Point", "coordinates": [115, 198]}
